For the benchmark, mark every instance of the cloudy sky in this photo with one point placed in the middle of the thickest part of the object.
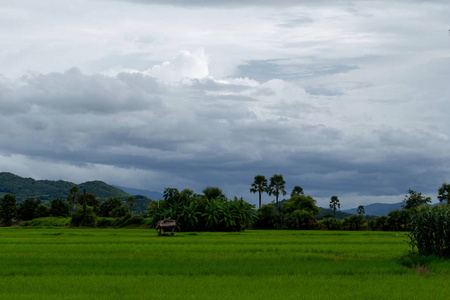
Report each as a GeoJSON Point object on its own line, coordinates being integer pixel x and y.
{"type": "Point", "coordinates": [348, 99]}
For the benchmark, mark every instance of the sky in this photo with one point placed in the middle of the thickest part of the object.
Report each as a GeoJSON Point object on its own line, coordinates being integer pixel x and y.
{"type": "Point", "coordinates": [348, 99]}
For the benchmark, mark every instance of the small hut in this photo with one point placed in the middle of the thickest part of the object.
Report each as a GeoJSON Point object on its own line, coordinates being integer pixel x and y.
{"type": "Point", "coordinates": [166, 227]}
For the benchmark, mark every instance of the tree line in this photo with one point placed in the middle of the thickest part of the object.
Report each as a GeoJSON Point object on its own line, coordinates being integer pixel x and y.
{"type": "Point", "coordinates": [300, 211]}
{"type": "Point", "coordinates": [82, 207]}
{"type": "Point", "coordinates": [212, 210]}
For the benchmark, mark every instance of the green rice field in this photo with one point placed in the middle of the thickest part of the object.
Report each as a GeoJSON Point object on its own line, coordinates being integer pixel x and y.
{"type": "Point", "coordinates": [137, 264]}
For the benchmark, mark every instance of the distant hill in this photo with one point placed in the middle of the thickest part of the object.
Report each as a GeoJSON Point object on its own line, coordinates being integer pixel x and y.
{"type": "Point", "coordinates": [47, 190]}
{"type": "Point", "coordinates": [150, 194]}
{"type": "Point", "coordinates": [378, 209]}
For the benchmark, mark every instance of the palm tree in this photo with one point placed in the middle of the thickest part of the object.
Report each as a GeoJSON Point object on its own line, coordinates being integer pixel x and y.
{"type": "Point", "coordinates": [276, 186]}
{"type": "Point", "coordinates": [72, 199]}
{"type": "Point", "coordinates": [260, 186]}
{"type": "Point", "coordinates": [211, 192]}
{"type": "Point", "coordinates": [297, 190]}
{"type": "Point", "coordinates": [361, 210]}
{"type": "Point", "coordinates": [334, 203]}
{"type": "Point", "coordinates": [131, 203]}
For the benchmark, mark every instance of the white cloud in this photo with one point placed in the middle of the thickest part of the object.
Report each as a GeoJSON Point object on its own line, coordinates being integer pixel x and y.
{"type": "Point", "coordinates": [186, 65]}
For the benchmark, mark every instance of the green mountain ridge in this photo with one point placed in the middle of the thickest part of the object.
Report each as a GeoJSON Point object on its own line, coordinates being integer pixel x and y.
{"type": "Point", "coordinates": [47, 190]}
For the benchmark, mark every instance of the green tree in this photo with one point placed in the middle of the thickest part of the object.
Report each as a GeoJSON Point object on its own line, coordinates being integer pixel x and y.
{"type": "Point", "coordinates": [353, 222]}
{"type": "Point", "coordinates": [156, 211]}
{"type": "Point", "coordinates": [213, 193]}
{"type": "Point", "coordinates": [130, 203]}
{"type": "Point", "coordinates": [171, 195]}
{"type": "Point", "coordinates": [444, 193]}
{"type": "Point", "coordinates": [244, 214]}
{"type": "Point", "coordinates": [189, 216]}
{"type": "Point", "coordinates": [212, 214]}
{"type": "Point", "coordinates": [398, 220]}
{"type": "Point", "coordinates": [59, 208]}
{"type": "Point", "coordinates": [300, 202]}
{"type": "Point", "coordinates": [381, 223]}
{"type": "Point", "coordinates": [267, 217]}
{"type": "Point", "coordinates": [8, 209]}
{"type": "Point", "coordinates": [91, 200]}
{"type": "Point", "coordinates": [42, 211]}
{"type": "Point", "coordinates": [334, 203]}
{"type": "Point", "coordinates": [361, 210]}
{"type": "Point", "coordinates": [110, 207]}
{"type": "Point", "coordinates": [27, 209]}
{"type": "Point", "coordinates": [83, 217]}
{"type": "Point", "coordinates": [276, 186]}
{"type": "Point", "coordinates": [415, 199]}
{"type": "Point", "coordinates": [299, 219]}
{"type": "Point", "coordinates": [332, 223]}
{"type": "Point", "coordinates": [72, 198]}
{"type": "Point", "coordinates": [297, 190]}
{"type": "Point", "coordinates": [259, 186]}
{"type": "Point", "coordinates": [299, 212]}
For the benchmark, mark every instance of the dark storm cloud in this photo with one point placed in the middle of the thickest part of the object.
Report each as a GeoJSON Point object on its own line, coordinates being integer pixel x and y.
{"type": "Point", "coordinates": [200, 132]}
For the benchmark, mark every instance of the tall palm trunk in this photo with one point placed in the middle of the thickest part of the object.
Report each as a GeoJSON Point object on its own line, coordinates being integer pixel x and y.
{"type": "Point", "coordinates": [259, 199]}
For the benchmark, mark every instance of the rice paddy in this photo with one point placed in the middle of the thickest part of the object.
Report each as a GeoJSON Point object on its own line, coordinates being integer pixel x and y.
{"type": "Point", "coordinates": [137, 264]}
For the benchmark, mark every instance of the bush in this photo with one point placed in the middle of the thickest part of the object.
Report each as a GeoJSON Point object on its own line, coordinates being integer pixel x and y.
{"type": "Point", "coordinates": [430, 230]}
{"type": "Point", "coordinates": [48, 221]}
{"type": "Point", "coordinates": [134, 220]}
{"type": "Point", "coordinates": [106, 222]}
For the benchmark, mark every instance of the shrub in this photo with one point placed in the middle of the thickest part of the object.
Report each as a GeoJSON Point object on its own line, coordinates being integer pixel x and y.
{"type": "Point", "coordinates": [430, 230]}
{"type": "Point", "coordinates": [134, 220]}
{"type": "Point", "coordinates": [105, 222]}
{"type": "Point", "coordinates": [47, 221]}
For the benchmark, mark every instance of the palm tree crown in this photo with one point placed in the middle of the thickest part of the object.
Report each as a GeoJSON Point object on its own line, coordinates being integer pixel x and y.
{"type": "Point", "coordinates": [259, 186]}
{"type": "Point", "coordinates": [276, 186]}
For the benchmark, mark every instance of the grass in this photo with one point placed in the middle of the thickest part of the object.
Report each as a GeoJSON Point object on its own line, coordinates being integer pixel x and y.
{"type": "Point", "coordinates": [136, 264]}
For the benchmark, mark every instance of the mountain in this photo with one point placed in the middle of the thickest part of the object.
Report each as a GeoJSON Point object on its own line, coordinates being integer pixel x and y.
{"type": "Point", "coordinates": [377, 209]}
{"type": "Point", "coordinates": [150, 194]}
{"type": "Point", "coordinates": [47, 190]}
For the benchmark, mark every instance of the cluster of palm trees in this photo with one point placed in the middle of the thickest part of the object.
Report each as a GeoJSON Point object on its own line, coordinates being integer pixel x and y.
{"type": "Point", "coordinates": [274, 188]}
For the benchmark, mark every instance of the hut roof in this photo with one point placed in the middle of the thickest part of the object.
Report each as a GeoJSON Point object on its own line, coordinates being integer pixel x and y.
{"type": "Point", "coordinates": [167, 223]}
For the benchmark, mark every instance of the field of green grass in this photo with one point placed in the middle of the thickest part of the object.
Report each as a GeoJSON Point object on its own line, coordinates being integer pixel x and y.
{"type": "Point", "coordinates": [136, 264]}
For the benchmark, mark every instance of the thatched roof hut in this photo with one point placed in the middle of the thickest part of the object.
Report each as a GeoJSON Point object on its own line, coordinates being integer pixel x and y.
{"type": "Point", "coordinates": [165, 226]}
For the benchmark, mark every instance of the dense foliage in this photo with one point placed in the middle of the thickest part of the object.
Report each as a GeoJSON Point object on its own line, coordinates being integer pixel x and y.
{"type": "Point", "coordinates": [210, 211]}
{"type": "Point", "coordinates": [430, 230]}
{"type": "Point", "coordinates": [7, 209]}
